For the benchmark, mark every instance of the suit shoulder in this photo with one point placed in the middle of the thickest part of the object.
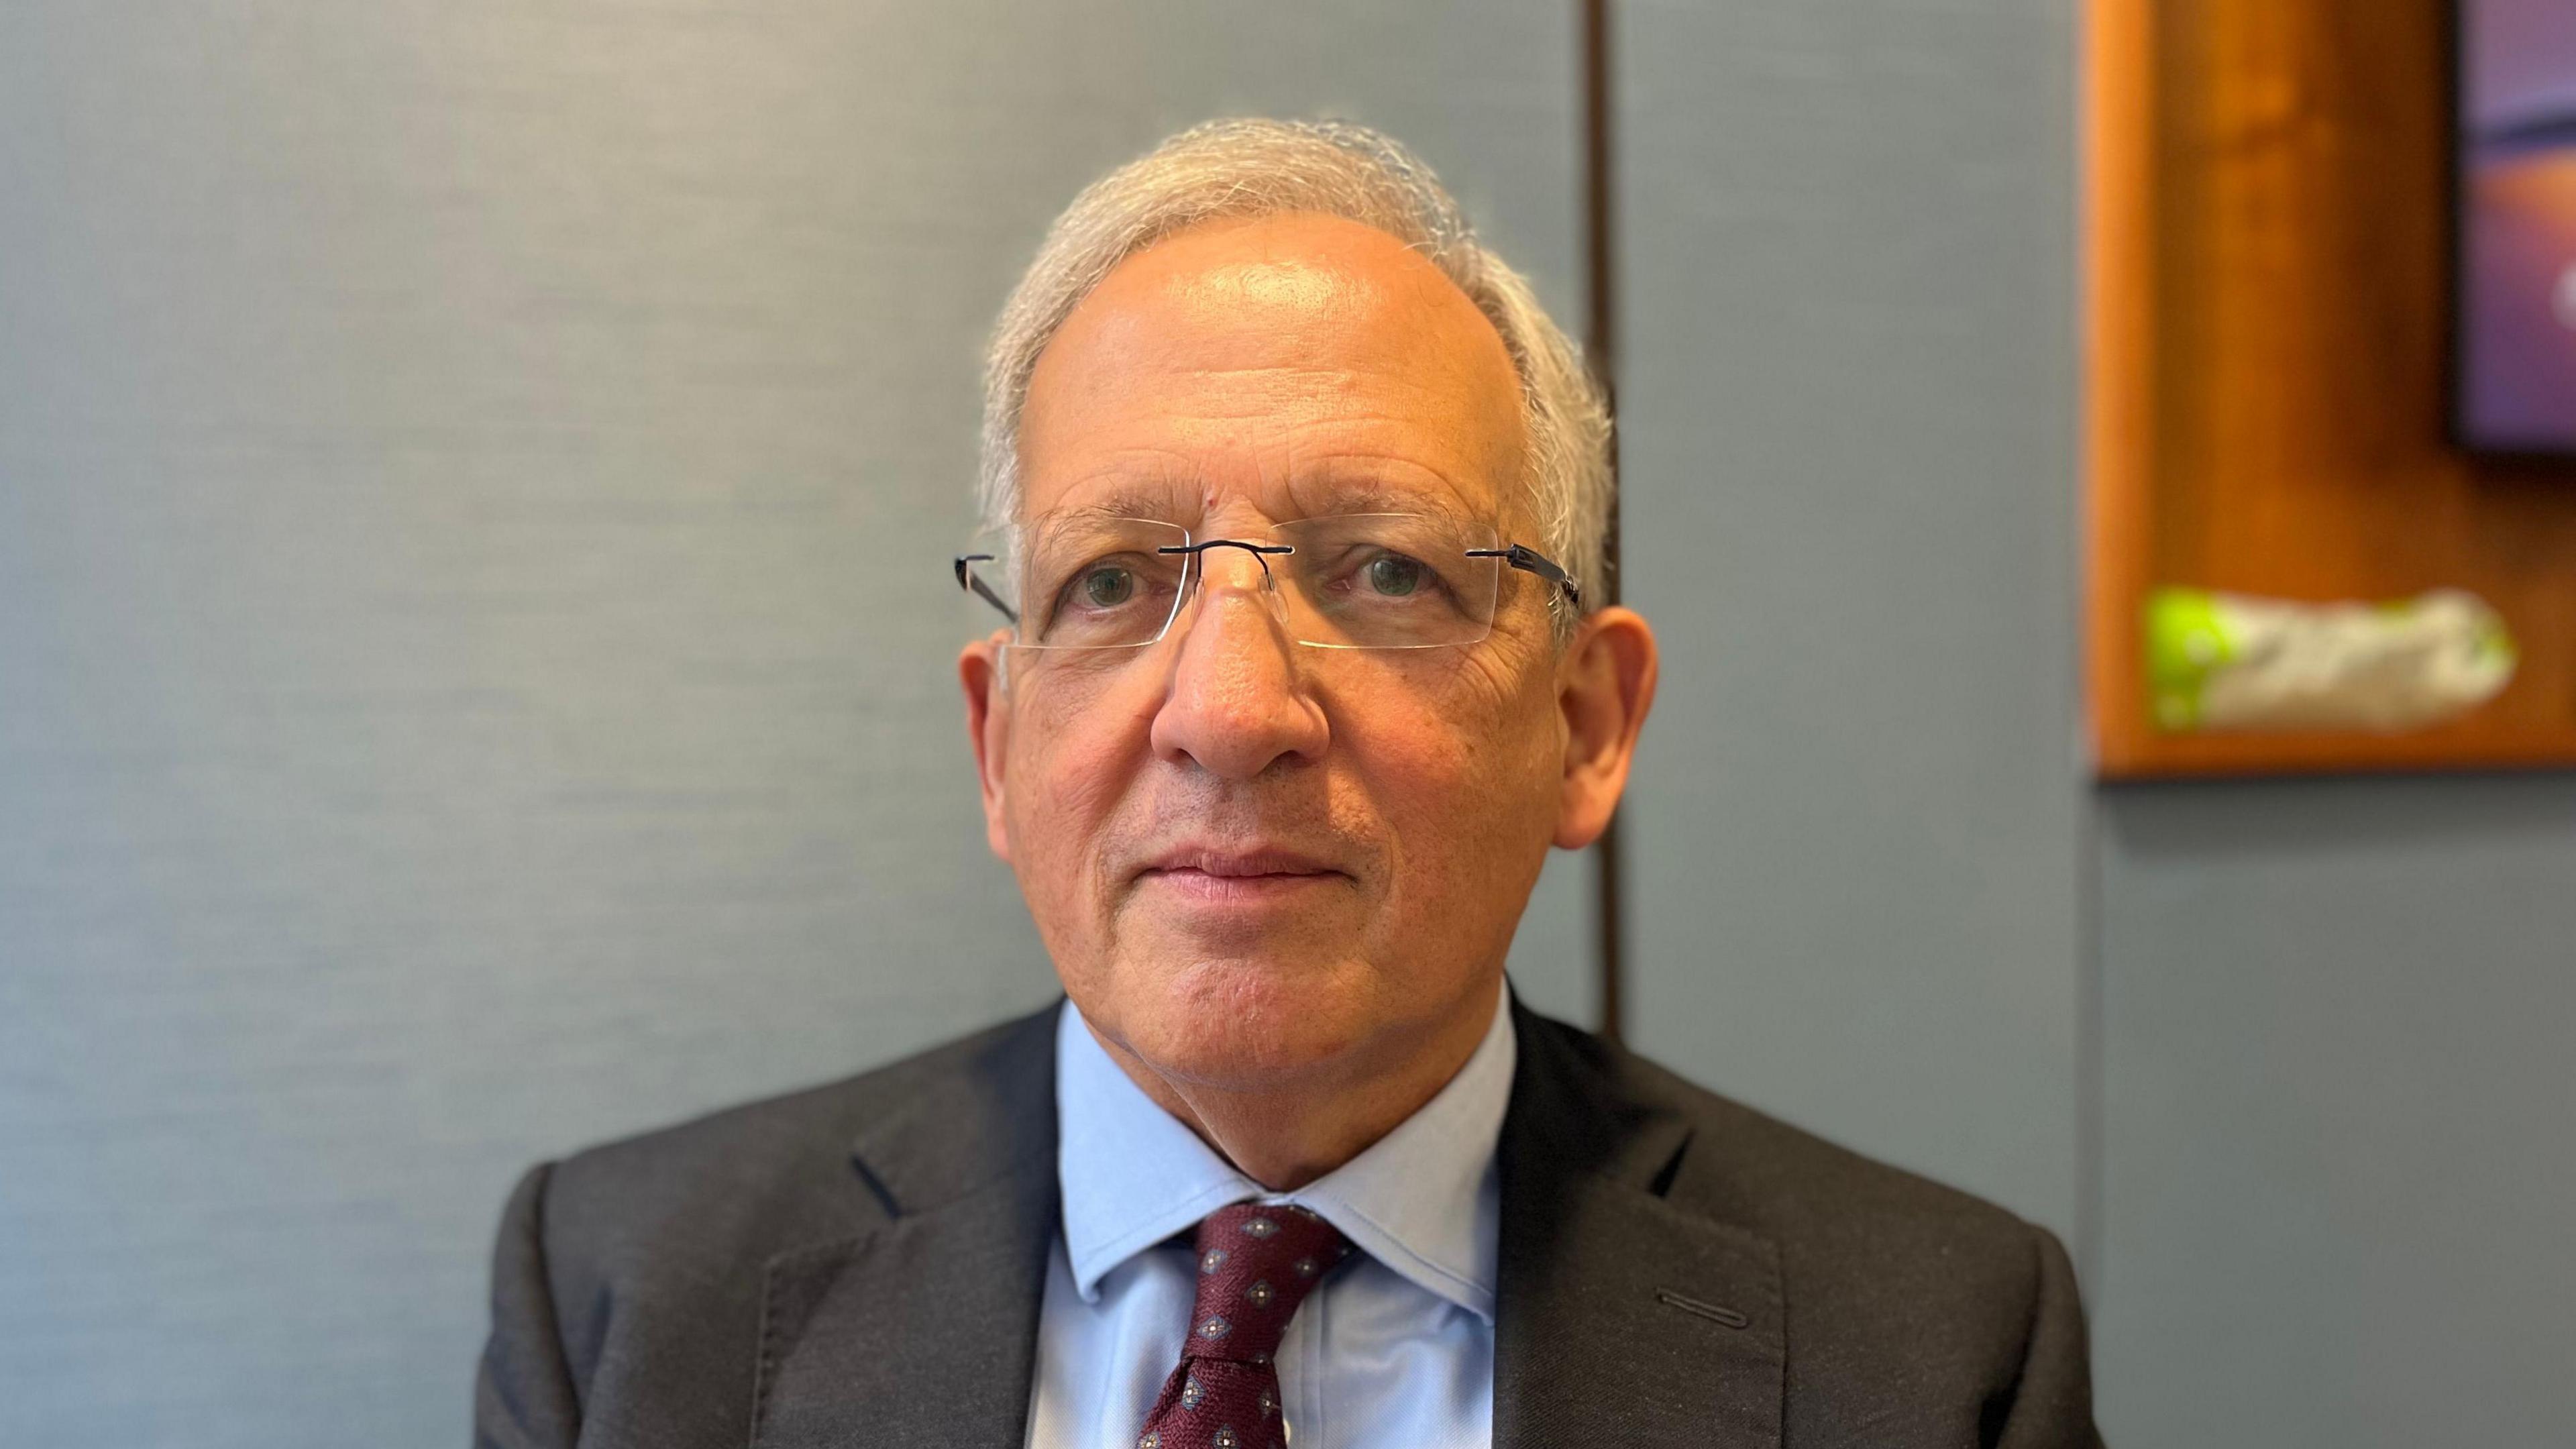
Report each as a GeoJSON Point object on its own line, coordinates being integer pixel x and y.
{"type": "Point", "coordinates": [732, 1165]}
{"type": "Point", "coordinates": [1906, 1301]}
{"type": "Point", "coordinates": [1888, 1267]}
{"type": "Point", "coordinates": [1797, 1187]}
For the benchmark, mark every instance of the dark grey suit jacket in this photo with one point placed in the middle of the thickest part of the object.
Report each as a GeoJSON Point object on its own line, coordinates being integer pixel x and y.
{"type": "Point", "coordinates": [861, 1264]}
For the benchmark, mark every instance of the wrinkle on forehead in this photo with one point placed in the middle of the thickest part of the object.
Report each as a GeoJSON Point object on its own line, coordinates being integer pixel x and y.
{"type": "Point", "coordinates": [1288, 366]}
{"type": "Point", "coordinates": [1174, 488]}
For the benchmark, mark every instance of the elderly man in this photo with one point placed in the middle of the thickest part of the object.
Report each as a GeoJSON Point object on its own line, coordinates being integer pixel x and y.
{"type": "Point", "coordinates": [1294, 494]}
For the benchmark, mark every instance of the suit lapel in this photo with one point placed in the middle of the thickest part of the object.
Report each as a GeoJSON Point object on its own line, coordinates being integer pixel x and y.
{"type": "Point", "coordinates": [1622, 1317]}
{"type": "Point", "coordinates": [924, 1330]}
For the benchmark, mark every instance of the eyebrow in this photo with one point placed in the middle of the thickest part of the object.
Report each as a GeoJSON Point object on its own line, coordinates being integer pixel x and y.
{"type": "Point", "coordinates": [1354, 495]}
{"type": "Point", "coordinates": [1338, 492]}
{"type": "Point", "coordinates": [1132, 497]}
{"type": "Point", "coordinates": [1338, 482]}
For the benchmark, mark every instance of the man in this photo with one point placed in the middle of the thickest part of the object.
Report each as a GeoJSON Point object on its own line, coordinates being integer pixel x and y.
{"type": "Point", "coordinates": [1294, 495]}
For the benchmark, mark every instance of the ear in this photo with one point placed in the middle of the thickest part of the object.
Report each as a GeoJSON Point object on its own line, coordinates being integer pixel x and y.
{"type": "Point", "coordinates": [988, 729]}
{"type": "Point", "coordinates": [1605, 683]}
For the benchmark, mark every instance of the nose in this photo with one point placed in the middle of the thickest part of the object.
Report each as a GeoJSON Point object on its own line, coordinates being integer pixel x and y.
{"type": "Point", "coordinates": [1236, 703]}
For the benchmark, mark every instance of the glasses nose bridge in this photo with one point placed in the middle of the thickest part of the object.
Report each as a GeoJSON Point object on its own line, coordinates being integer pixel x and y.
{"type": "Point", "coordinates": [1255, 573]}
{"type": "Point", "coordinates": [1253, 577]}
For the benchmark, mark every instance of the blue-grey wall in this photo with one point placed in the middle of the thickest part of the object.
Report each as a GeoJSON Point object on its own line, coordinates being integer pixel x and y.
{"type": "Point", "coordinates": [475, 669]}
{"type": "Point", "coordinates": [473, 481]}
{"type": "Point", "coordinates": [1846, 449]}
{"type": "Point", "coordinates": [2339, 1059]}
{"type": "Point", "coordinates": [2293, 1065]}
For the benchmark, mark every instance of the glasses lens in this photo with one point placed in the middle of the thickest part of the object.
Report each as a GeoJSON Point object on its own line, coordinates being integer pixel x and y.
{"type": "Point", "coordinates": [1082, 580]}
{"type": "Point", "coordinates": [1389, 580]}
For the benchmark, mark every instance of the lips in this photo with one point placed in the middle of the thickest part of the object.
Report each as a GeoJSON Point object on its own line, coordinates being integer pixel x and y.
{"type": "Point", "coordinates": [1250, 864]}
{"type": "Point", "coordinates": [1232, 877]}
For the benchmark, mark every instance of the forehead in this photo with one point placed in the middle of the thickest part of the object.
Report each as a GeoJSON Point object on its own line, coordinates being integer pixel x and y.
{"type": "Point", "coordinates": [1288, 366]}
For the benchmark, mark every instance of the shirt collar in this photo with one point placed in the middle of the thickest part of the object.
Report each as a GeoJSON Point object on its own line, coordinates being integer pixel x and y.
{"type": "Point", "coordinates": [1424, 1200]}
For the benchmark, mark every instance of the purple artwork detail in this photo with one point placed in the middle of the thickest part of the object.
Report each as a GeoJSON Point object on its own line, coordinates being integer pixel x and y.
{"type": "Point", "coordinates": [2517, 242]}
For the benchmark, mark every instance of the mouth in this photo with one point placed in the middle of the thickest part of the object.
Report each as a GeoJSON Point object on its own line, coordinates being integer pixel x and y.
{"type": "Point", "coordinates": [1238, 873]}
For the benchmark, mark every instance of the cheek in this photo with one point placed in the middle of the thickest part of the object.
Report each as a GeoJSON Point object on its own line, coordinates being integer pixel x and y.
{"type": "Point", "coordinates": [1463, 767]}
{"type": "Point", "coordinates": [1074, 751]}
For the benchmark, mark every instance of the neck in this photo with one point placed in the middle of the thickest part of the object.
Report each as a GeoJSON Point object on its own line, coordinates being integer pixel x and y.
{"type": "Point", "coordinates": [1285, 1135]}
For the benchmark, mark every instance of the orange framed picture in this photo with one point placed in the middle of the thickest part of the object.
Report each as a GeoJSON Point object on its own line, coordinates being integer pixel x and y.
{"type": "Point", "coordinates": [2294, 563]}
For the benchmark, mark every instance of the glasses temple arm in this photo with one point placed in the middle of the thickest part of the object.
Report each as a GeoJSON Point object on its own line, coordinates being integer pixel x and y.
{"type": "Point", "coordinates": [1531, 561]}
{"type": "Point", "coordinates": [967, 580]}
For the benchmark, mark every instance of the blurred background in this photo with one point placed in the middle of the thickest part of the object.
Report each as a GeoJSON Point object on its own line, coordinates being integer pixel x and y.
{"type": "Point", "coordinates": [476, 483]}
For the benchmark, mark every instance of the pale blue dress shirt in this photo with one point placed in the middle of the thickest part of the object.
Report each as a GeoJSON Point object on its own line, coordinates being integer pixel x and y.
{"type": "Point", "coordinates": [1395, 1351]}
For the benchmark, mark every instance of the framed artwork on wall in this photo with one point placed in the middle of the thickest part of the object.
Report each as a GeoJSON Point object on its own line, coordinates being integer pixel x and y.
{"type": "Point", "coordinates": [2513, 257]}
{"type": "Point", "coordinates": [2322, 535]}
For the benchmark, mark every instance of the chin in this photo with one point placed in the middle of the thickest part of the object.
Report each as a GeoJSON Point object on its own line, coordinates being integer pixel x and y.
{"type": "Point", "coordinates": [1246, 1021]}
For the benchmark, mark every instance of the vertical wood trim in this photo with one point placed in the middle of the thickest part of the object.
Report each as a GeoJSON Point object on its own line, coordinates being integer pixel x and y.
{"type": "Point", "coordinates": [1601, 348]}
{"type": "Point", "coordinates": [2118, 366]}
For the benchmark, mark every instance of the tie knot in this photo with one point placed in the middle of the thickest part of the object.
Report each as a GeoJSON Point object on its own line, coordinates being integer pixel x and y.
{"type": "Point", "coordinates": [1257, 1262]}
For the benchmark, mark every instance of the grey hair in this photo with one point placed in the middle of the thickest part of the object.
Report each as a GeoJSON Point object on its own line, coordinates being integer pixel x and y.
{"type": "Point", "coordinates": [1254, 168]}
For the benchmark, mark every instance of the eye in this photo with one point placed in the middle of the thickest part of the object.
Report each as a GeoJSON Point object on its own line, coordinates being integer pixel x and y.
{"type": "Point", "coordinates": [1393, 575]}
{"type": "Point", "coordinates": [1107, 588]}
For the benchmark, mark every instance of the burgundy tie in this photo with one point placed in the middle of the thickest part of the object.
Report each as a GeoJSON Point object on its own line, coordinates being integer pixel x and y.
{"type": "Point", "coordinates": [1257, 1262]}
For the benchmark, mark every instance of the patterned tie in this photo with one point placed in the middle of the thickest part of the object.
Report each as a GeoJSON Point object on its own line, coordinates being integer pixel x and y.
{"type": "Point", "coordinates": [1257, 1262]}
